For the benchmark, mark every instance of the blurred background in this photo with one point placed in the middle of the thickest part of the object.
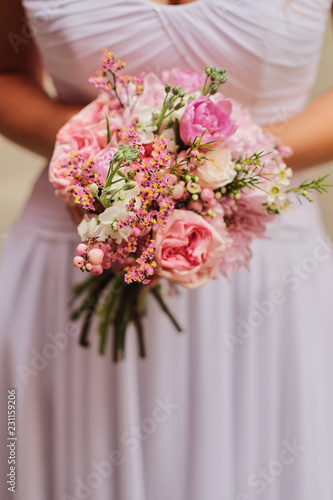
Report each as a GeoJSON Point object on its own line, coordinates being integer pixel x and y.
{"type": "Point", "coordinates": [19, 168]}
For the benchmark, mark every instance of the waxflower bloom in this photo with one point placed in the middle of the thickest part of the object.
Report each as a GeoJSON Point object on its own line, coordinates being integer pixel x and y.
{"type": "Point", "coordinates": [283, 174]}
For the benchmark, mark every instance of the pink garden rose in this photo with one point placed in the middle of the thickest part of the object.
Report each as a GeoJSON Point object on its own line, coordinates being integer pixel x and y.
{"type": "Point", "coordinates": [203, 115]}
{"type": "Point", "coordinates": [189, 250]}
{"type": "Point", "coordinates": [84, 133]}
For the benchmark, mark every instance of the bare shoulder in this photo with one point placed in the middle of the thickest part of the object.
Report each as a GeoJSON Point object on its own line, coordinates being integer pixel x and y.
{"type": "Point", "coordinates": [18, 52]}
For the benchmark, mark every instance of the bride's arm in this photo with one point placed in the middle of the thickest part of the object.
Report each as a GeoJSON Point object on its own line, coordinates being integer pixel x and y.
{"type": "Point", "coordinates": [310, 133]}
{"type": "Point", "coordinates": [28, 115]}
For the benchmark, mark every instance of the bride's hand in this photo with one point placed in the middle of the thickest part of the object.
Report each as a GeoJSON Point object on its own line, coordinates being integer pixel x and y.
{"type": "Point", "coordinates": [309, 133]}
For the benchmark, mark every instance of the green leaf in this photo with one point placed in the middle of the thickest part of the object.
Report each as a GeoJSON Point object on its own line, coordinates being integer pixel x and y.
{"type": "Point", "coordinates": [108, 129]}
{"type": "Point", "coordinates": [105, 311]}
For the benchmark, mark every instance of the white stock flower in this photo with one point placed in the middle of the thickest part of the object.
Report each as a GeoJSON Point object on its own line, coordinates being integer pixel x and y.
{"type": "Point", "coordinates": [125, 196]}
{"type": "Point", "coordinates": [87, 227]}
{"type": "Point", "coordinates": [145, 126]}
{"type": "Point", "coordinates": [108, 220]}
{"type": "Point", "coordinates": [108, 224]}
{"type": "Point", "coordinates": [169, 135]}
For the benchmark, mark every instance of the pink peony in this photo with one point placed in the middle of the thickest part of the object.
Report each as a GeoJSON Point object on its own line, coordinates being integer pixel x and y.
{"type": "Point", "coordinates": [188, 250]}
{"type": "Point", "coordinates": [203, 116]}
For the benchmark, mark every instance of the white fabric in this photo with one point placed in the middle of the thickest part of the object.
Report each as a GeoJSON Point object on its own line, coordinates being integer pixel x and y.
{"type": "Point", "coordinates": [246, 390]}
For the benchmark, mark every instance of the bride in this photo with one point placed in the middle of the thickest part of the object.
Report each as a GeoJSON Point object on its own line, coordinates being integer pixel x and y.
{"type": "Point", "coordinates": [238, 407]}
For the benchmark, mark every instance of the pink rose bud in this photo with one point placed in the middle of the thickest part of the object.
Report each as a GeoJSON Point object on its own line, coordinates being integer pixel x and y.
{"type": "Point", "coordinates": [130, 261]}
{"type": "Point", "coordinates": [207, 194]}
{"type": "Point", "coordinates": [82, 249]}
{"type": "Point", "coordinates": [95, 256]}
{"type": "Point", "coordinates": [78, 261]}
{"type": "Point", "coordinates": [144, 231]}
{"type": "Point", "coordinates": [196, 206]}
{"type": "Point", "coordinates": [177, 191]}
{"type": "Point", "coordinates": [135, 232]}
{"type": "Point", "coordinates": [97, 270]}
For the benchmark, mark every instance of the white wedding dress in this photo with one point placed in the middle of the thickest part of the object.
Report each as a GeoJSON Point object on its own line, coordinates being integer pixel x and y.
{"type": "Point", "coordinates": [238, 406]}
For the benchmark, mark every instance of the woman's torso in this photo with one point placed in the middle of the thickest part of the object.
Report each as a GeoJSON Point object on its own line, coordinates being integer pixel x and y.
{"type": "Point", "coordinates": [270, 48]}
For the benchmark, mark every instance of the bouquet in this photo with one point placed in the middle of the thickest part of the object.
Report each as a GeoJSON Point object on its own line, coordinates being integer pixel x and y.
{"type": "Point", "coordinates": [175, 180]}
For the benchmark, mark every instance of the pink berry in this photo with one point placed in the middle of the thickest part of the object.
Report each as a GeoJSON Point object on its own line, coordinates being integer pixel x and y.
{"type": "Point", "coordinates": [82, 249]}
{"type": "Point", "coordinates": [95, 256]}
{"type": "Point", "coordinates": [135, 232]}
{"type": "Point", "coordinates": [89, 266]}
{"type": "Point", "coordinates": [207, 194]}
{"type": "Point", "coordinates": [98, 244]}
{"type": "Point", "coordinates": [97, 269]}
{"type": "Point", "coordinates": [177, 191]}
{"type": "Point", "coordinates": [212, 203]}
{"type": "Point", "coordinates": [78, 261]}
{"type": "Point", "coordinates": [196, 206]}
{"type": "Point", "coordinates": [107, 262]}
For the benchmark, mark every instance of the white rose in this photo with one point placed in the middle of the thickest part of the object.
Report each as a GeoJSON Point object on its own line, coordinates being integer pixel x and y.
{"type": "Point", "coordinates": [169, 135]}
{"type": "Point", "coordinates": [218, 170]}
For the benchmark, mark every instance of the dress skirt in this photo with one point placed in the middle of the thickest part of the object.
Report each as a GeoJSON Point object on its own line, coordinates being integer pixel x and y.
{"type": "Point", "coordinates": [236, 407]}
